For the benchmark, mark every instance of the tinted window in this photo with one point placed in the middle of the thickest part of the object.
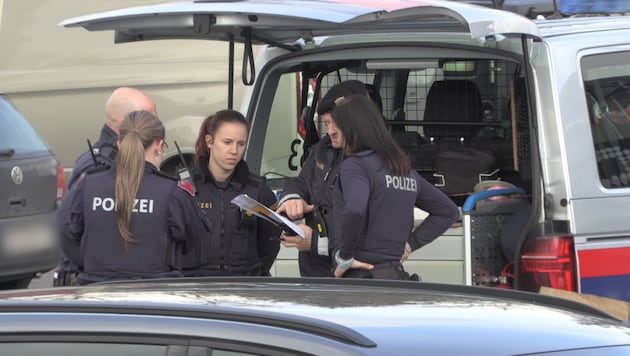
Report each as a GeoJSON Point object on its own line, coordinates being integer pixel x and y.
{"type": "Point", "coordinates": [88, 348]}
{"type": "Point", "coordinates": [607, 85]}
{"type": "Point", "coordinates": [16, 133]}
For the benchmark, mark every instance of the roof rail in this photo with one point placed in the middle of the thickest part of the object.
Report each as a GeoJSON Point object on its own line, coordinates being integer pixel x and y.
{"type": "Point", "coordinates": [276, 319]}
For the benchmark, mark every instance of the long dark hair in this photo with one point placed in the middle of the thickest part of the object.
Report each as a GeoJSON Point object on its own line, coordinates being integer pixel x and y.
{"type": "Point", "coordinates": [363, 128]}
{"type": "Point", "coordinates": [210, 126]}
{"type": "Point", "coordinates": [138, 131]}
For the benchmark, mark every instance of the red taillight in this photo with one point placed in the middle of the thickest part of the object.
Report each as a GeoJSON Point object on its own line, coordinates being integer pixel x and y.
{"type": "Point", "coordinates": [548, 261]}
{"type": "Point", "coordinates": [61, 182]}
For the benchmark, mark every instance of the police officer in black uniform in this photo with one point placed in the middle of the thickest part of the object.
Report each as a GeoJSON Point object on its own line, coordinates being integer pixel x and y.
{"type": "Point", "coordinates": [131, 221]}
{"type": "Point", "coordinates": [240, 243]}
{"type": "Point", "coordinates": [375, 195]}
{"type": "Point", "coordinates": [309, 194]}
{"type": "Point", "coordinates": [102, 154]}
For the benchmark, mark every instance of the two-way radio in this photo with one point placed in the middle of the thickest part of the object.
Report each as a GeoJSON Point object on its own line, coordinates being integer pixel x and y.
{"type": "Point", "coordinates": [183, 173]}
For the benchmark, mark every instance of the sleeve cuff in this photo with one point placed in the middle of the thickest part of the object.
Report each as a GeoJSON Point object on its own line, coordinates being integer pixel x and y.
{"type": "Point", "coordinates": [288, 197]}
{"type": "Point", "coordinates": [322, 246]}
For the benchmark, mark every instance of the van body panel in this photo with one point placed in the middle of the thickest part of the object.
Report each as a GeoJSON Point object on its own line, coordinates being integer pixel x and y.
{"type": "Point", "coordinates": [603, 270]}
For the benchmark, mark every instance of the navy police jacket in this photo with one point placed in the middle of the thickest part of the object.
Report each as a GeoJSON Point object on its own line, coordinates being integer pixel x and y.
{"type": "Point", "coordinates": [166, 222]}
{"type": "Point", "coordinates": [314, 184]}
{"type": "Point", "coordinates": [240, 243]}
{"type": "Point", "coordinates": [376, 210]}
{"type": "Point", "coordinates": [105, 151]}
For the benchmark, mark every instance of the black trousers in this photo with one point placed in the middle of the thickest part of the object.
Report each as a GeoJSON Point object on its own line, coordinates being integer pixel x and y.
{"type": "Point", "coordinates": [390, 270]}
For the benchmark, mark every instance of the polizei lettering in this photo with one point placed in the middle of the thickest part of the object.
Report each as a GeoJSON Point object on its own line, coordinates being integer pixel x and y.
{"type": "Point", "coordinates": [108, 204]}
{"type": "Point", "coordinates": [401, 183]}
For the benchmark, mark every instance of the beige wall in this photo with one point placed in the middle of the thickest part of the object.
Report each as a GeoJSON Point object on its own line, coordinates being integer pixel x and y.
{"type": "Point", "coordinates": [60, 78]}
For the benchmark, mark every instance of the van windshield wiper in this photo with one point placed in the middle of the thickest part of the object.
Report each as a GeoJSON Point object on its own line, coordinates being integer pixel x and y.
{"type": "Point", "coordinates": [7, 152]}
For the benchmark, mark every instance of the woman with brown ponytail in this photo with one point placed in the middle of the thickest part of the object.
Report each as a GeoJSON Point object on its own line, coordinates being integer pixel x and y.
{"type": "Point", "coordinates": [240, 244]}
{"type": "Point", "coordinates": [131, 221]}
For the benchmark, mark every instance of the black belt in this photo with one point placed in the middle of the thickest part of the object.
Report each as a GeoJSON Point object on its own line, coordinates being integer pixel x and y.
{"type": "Point", "coordinates": [390, 270]}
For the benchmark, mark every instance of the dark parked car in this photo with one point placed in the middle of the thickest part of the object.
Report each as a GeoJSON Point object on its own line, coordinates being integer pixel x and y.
{"type": "Point", "coordinates": [32, 183]}
{"type": "Point", "coordinates": [275, 316]}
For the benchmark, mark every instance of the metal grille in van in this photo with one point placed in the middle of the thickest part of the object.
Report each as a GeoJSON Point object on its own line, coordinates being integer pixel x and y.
{"type": "Point", "coordinates": [473, 105]}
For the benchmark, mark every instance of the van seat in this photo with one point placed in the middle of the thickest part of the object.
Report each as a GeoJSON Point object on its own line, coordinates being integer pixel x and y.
{"type": "Point", "coordinates": [454, 103]}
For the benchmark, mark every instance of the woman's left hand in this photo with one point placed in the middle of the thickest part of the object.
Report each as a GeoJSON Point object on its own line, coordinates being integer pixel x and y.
{"type": "Point", "coordinates": [355, 264]}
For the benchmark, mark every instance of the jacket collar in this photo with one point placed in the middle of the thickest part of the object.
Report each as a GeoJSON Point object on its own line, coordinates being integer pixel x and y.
{"type": "Point", "coordinates": [238, 179]}
{"type": "Point", "coordinates": [108, 135]}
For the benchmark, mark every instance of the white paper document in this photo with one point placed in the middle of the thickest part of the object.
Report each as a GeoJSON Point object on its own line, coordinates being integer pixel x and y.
{"type": "Point", "coordinates": [243, 201]}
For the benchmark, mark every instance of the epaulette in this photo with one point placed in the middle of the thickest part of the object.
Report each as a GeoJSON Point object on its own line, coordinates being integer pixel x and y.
{"type": "Point", "coordinates": [97, 168]}
{"type": "Point", "coordinates": [255, 180]}
{"type": "Point", "coordinates": [92, 170]}
{"type": "Point", "coordinates": [165, 175]}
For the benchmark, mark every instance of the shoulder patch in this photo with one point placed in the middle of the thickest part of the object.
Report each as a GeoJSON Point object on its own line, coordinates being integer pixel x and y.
{"type": "Point", "coordinates": [187, 185]}
{"type": "Point", "coordinates": [80, 178]}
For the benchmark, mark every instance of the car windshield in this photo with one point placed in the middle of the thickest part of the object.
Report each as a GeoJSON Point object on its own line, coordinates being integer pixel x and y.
{"type": "Point", "coordinates": [17, 137]}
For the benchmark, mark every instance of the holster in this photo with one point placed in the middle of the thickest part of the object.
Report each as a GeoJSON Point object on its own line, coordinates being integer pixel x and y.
{"type": "Point", "coordinates": [62, 278]}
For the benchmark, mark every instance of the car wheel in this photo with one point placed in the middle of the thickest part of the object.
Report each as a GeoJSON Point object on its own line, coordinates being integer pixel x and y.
{"type": "Point", "coordinates": [16, 284]}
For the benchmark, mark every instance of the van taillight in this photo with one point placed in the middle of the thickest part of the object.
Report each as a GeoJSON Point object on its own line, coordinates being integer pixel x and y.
{"type": "Point", "coordinates": [61, 183]}
{"type": "Point", "coordinates": [548, 261]}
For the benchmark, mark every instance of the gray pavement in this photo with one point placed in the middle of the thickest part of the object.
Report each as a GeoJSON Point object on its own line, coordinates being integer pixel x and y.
{"type": "Point", "coordinates": [43, 281]}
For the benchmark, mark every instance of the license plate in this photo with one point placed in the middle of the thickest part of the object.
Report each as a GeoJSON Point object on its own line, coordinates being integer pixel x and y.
{"type": "Point", "coordinates": [25, 240]}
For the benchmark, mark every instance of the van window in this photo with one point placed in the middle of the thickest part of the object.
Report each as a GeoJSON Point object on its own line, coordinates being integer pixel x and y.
{"type": "Point", "coordinates": [282, 152]}
{"type": "Point", "coordinates": [607, 86]}
{"type": "Point", "coordinates": [486, 117]}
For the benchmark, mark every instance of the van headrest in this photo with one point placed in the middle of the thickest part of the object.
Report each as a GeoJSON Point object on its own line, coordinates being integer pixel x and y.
{"type": "Point", "coordinates": [453, 101]}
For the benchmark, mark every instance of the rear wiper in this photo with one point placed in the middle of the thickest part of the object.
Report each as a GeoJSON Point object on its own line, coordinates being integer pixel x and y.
{"type": "Point", "coordinates": [7, 152]}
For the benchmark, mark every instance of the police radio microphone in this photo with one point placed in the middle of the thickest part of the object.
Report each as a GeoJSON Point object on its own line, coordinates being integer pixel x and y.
{"type": "Point", "coordinates": [94, 160]}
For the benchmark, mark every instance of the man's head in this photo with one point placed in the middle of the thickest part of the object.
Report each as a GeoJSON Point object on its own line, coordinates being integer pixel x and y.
{"type": "Point", "coordinates": [123, 101]}
{"type": "Point", "coordinates": [327, 104]}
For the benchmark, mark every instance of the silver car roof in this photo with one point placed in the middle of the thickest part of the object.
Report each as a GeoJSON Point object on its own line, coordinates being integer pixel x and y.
{"type": "Point", "coordinates": [285, 21]}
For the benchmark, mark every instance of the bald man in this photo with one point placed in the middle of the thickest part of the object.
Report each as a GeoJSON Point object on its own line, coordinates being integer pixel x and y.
{"type": "Point", "coordinates": [121, 102]}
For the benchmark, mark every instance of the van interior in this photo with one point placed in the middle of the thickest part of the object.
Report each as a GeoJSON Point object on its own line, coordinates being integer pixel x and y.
{"type": "Point", "coordinates": [462, 121]}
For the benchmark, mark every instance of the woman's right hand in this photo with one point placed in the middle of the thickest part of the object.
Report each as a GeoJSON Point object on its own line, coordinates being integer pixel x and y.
{"type": "Point", "coordinates": [295, 208]}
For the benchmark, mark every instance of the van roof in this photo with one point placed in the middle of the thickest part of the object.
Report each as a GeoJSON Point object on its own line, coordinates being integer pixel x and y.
{"type": "Point", "coordinates": [576, 25]}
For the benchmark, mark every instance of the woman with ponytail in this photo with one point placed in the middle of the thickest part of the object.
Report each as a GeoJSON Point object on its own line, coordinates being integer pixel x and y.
{"type": "Point", "coordinates": [131, 221]}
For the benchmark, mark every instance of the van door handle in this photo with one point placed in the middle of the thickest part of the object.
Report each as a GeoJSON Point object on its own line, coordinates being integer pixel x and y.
{"type": "Point", "coordinates": [17, 202]}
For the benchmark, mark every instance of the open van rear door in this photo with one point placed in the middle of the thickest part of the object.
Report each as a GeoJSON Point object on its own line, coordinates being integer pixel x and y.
{"type": "Point", "coordinates": [280, 23]}
{"type": "Point", "coordinates": [291, 20]}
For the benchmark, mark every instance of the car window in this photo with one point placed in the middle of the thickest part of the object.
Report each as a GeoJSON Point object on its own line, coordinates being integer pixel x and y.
{"type": "Point", "coordinates": [17, 134]}
{"type": "Point", "coordinates": [81, 348]}
{"type": "Point", "coordinates": [607, 90]}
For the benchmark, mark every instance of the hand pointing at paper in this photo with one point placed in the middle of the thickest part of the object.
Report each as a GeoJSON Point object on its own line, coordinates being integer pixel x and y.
{"type": "Point", "coordinates": [295, 208]}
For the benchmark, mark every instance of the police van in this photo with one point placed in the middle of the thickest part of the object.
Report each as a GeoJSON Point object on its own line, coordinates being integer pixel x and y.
{"type": "Point", "coordinates": [523, 121]}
